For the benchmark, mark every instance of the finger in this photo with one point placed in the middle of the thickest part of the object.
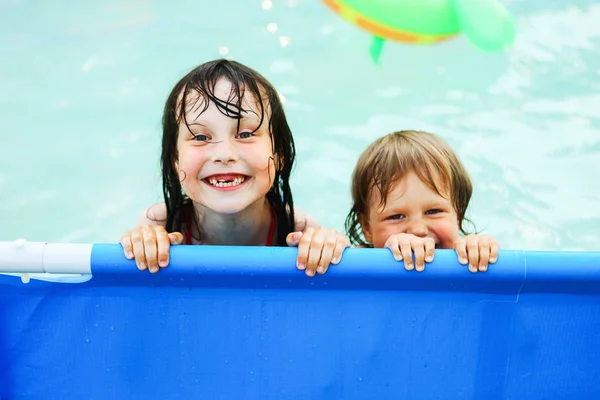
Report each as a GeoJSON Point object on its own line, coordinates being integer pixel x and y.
{"type": "Point", "coordinates": [342, 244]}
{"type": "Point", "coordinates": [293, 239]}
{"type": "Point", "coordinates": [150, 247]}
{"type": "Point", "coordinates": [429, 249]}
{"type": "Point", "coordinates": [473, 253]}
{"type": "Point", "coordinates": [163, 242]}
{"type": "Point", "coordinates": [419, 251]}
{"type": "Point", "coordinates": [327, 252]}
{"type": "Point", "coordinates": [138, 249]}
{"type": "Point", "coordinates": [315, 251]}
{"type": "Point", "coordinates": [494, 249]}
{"type": "Point", "coordinates": [127, 245]}
{"type": "Point", "coordinates": [484, 253]}
{"type": "Point", "coordinates": [392, 244]}
{"type": "Point", "coordinates": [461, 250]}
{"type": "Point", "coordinates": [176, 238]}
{"type": "Point", "coordinates": [406, 251]}
{"type": "Point", "coordinates": [303, 248]}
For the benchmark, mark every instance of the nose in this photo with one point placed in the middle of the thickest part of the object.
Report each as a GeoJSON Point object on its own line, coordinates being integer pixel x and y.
{"type": "Point", "coordinates": [418, 228]}
{"type": "Point", "coordinates": [224, 153]}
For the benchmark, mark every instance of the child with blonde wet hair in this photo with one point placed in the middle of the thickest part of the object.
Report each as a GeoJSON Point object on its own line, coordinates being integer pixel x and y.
{"type": "Point", "coordinates": [410, 194]}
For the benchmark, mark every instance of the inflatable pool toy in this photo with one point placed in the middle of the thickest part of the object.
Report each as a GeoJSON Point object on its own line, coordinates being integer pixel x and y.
{"type": "Point", "coordinates": [486, 23]}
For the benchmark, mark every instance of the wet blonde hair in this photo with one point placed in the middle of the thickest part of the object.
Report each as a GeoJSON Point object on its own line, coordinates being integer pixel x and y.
{"type": "Point", "coordinates": [390, 158]}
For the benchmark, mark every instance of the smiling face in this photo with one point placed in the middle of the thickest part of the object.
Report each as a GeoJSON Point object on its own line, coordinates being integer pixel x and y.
{"type": "Point", "coordinates": [411, 207]}
{"type": "Point", "coordinates": [225, 164]}
{"type": "Point", "coordinates": [424, 185]}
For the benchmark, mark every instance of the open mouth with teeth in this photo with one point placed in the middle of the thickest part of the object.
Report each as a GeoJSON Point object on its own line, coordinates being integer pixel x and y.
{"type": "Point", "coordinates": [226, 181]}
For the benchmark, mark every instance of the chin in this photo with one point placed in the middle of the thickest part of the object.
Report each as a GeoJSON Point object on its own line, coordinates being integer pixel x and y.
{"type": "Point", "coordinates": [226, 207]}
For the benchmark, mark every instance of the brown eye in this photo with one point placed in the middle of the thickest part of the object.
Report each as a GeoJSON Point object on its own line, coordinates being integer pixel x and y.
{"type": "Point", "coordinates": [396, 216]}
{"type": "Point", "coordinates": [245, 135]}
{"type": "Point", "coordinates": [433, 211]}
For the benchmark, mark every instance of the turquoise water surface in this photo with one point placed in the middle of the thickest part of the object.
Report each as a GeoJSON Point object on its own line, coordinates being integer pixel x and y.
{"type": "Point", "coordinates": [82, 86]}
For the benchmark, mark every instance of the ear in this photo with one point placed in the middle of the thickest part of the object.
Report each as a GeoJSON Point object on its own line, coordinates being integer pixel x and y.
{"type": "Point", "coordinates": [366, 229]}
{"type": "Point", "coordinates": [280, 162]}
{"type": "Point", "coordinates": [180, 173]}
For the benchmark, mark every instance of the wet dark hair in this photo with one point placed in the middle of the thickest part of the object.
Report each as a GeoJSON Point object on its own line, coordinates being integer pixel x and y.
{"type": "Point", "coordinates": [196, 89]}
{"type": "Point", "coordinates": [389, 159]}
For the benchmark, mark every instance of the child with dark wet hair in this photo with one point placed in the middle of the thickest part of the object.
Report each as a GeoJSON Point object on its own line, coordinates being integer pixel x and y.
{"type": "Point", "coordinates": [227, 156]}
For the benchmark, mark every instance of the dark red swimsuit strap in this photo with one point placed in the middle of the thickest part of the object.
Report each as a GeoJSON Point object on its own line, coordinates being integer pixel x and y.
{"type": "Point", "coordinates": [271, 229]}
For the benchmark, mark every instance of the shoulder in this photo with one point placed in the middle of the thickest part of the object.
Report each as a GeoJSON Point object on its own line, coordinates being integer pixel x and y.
{"type": "Point", "coordinates": [303, 220]}
{"type": "Point", "coordinates": [155, 215]}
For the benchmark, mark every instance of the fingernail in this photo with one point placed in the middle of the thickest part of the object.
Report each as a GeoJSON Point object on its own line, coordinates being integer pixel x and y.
{"type": "Point", "coordinates": [463, 260]}
{"type": "Point", "coordinates": [321, 270]}
{"type": "Point", "coordinates": [129, 255]}
{"type": "Point", "coordinates": [310, 272]}
{"type": "Point", "coordinates": [472, 268]}
{"type": "Point", "coordinates": [420, 268]}
{"type": "Point", "coordinates": [162, 263]}
{"type": "Point", "coordinates": [483, 268]}
{"type": "Point", "coordinates": [301, 266]}
{"type": "Point", "coordinates": [153, 269]}
{"type": "Point", "coordinates": [408, 266]}
{"type": "Point", "coordinates": [142, 265]}
{"type": "Point", "coordinates": [334, 260]}
{"type": "Point", "coordinates": [429, 258]}
{"type": "Point", "coordinates": [397, 257]}
{"type": "Point", "coordinates": [492, 259]}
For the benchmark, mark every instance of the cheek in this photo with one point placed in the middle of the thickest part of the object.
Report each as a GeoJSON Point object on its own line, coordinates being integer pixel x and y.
{"type": "Point", "coordinates": [190, 164]}
{"type": "Point", "coordinates": [258, 157]}
{"type": "Point", "coordinates": [447, 232]}
{"type": "Point", "coordinates": [261, 159]}
{"type": "Point", "coordinates": [381, 234]}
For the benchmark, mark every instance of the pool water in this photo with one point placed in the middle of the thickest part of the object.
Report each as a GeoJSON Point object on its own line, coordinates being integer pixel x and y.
{"type": "Point", "coordinates": [82, 89]}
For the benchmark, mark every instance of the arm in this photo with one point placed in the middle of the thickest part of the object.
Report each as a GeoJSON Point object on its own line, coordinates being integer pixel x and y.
{"type": "Point", "coordinates": [304, 220]}
{"type": "Point", "coordinates": [155, 215]}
